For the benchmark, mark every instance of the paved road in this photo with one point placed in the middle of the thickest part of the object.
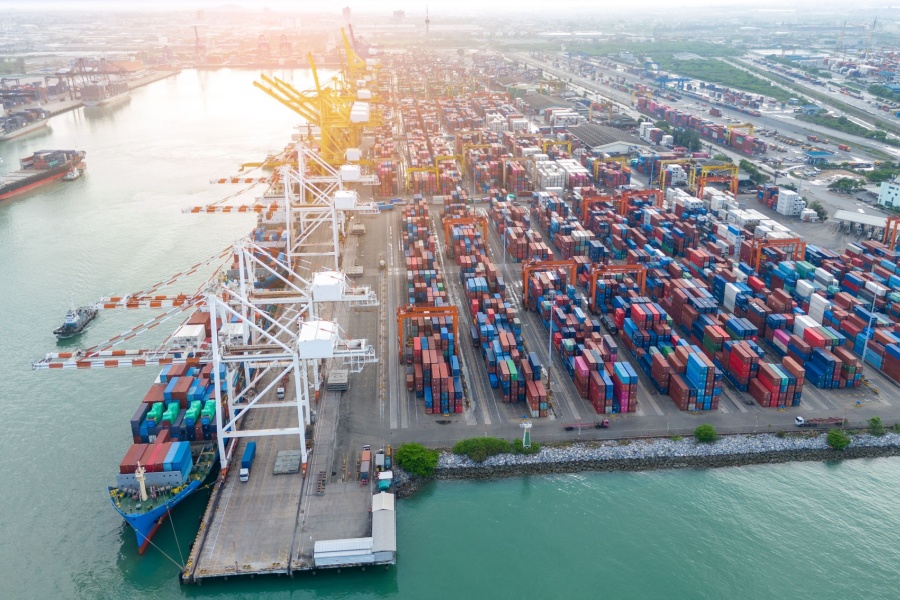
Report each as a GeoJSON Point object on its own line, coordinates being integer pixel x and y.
{"type": "Point", "coordinates": [779, 119]}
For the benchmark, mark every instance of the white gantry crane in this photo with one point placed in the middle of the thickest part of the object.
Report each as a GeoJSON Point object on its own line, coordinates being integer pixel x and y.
{"type": "Point", "coordinates": [259, 334]}
{"type": "Point", "coordinates": [309, 203]}
{"type": "Point", "coordinates": [268, 348]}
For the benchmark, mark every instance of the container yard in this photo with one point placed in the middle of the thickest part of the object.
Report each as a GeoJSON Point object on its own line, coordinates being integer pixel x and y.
{"type": "Point", "coordinates": [502, 271]}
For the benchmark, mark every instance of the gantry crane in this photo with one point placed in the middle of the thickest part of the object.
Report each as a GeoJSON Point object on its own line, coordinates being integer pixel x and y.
{"type": "Point", "coordinates": [451, 221]}
{"type": "Point", "coordinates": [795, 247]}
{"type": "Point", "coordinates": [542, 266]}
{"type": "Point", "coordinates": [622, 160]}
{"type": "Point", "coordinates": [246, 336]}
{"type": "Point", "coordinates": [426, 312]}
{"type": "Point", "coordinates": [891, 232]}
{"type": "Point", "coordinates": [590, 198]}
{"type": "Point", "coordinates": [549, 143]}
{"type": "Point", "coordinates": [626, 196]}
{"type": "Point", "coordinates": [661, 177]}
{"type": "Point", "coordinates": [355, 69]}
{"type": "Point", "coordinates": [697, 183]}
{"type": "Point", "coordinates": [638, 271]}
{"type": "Point", "coordinates": [606, 104]}
{"type": "Point", "coordinates": [323, 108]}
{"type": "Point", "coordinates": [621, 200]}
{"type": "Point", "coordinates": [519, 159]}
{"type": "Point", "coordinates": [730, 129]}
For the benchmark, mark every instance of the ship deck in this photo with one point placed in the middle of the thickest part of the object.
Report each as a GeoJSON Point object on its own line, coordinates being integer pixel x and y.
{"type": "Point", "coordinates": [203, 464]}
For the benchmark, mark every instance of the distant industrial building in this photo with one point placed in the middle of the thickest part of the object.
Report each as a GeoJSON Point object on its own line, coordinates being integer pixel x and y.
{"type": "Point", "coordinates": [610, 140]}
{"type": "Point", "coordinates": [889, 195]}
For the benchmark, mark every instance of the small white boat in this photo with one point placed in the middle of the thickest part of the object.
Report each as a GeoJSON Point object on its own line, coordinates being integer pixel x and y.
{"type": "Point", "coordinates": [73, 174]}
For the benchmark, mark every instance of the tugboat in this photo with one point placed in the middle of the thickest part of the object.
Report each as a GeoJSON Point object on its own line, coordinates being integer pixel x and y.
{"type": "Point", "coordinates": [76, 320]}
{"type": "Point", "coordinates": [72, 175]}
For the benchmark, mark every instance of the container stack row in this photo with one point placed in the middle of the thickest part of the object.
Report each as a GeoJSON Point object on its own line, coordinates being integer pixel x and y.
{"type": "Point", "coordinates": [497, 330]}
{"type": "Point", "coordinates": [430, 354]}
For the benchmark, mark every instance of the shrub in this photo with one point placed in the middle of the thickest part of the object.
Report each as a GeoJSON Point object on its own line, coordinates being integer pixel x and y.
{"type": "Point", "coordinates": [480, 448]}
{"type": "Point", "coordinates": [416, 459]}
{"type": "Point", "coordinates": [779, 433]}
{"type": "Point", "coordinates": [876, 427]}
{"type": "Point", "coordinates": [677, 438]}
{"type": "Point", "coordinates": [837, 439]}
{"type": "Point", "coordinates": [705, 433]}
{"type": "Point", "coordinates": [518, 448]}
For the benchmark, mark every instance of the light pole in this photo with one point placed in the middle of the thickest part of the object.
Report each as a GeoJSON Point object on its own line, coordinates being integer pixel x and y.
{"type": "Point", "coordinates": [878, 291]}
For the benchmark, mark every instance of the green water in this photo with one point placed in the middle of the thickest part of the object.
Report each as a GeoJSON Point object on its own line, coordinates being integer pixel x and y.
{"type": "Point", "coordinates": [790, 531]}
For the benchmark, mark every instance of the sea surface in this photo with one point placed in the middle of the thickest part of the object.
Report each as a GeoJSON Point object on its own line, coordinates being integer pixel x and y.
{"type": "Point", "coordinates": [805, 530]}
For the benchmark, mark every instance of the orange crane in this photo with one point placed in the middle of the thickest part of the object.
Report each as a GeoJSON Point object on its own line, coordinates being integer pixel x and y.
{"type": "Point", "coordinates": [891, 232]}
{"type": "Point", "coordinates": [621, 201]}
{"type": "Point", "coordinates": [542, 266]}
{"type": "Point", "coordinates": [450, 221]}
{"type": "Point", "coordinates": [638, 271]}
{"type": "Point", "coordinates": [704, 179]}
{"type": "Point", "coordinates": [795, 247]}
{"type": "Point", "coordinates": [412, 312]}
{"type": "Point", "coordinates": [590, 200]}
{"type": "Point", "coordinates": [241, 208]}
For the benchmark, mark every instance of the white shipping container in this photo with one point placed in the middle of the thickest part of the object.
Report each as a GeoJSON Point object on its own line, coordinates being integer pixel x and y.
{"type": "Point", "coordinates": [804, 288]}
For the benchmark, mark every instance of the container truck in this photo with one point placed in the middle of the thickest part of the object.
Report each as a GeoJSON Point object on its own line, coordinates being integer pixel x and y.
{"type": "Point", "coordinates": [824, 422]}
{"type": "Point", "coordinates": [247, 461]}
{"type": "Point", "coordinates": [365, 462]}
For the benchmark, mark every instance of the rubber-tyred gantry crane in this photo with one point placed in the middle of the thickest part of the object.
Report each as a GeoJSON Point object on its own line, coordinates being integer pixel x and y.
{"type": "Point", "coordinates": [891, 232]}
{"type": "Point", "coordinates": [451, 221]}
{"type": "Point", "coordinates": [639, 272]}
{"type": "Point", "coordinates": [542, 266]}
{"type": "Point", "coordinates": [795, 247]}
{"type": "Point", "coordinates": [714, 174]}
{"type": "Point", "coordinates": [428, 312]}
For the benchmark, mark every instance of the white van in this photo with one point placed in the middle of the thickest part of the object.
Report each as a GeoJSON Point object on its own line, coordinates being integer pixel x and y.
{"type": "Point", "coordinates": [279, 393]}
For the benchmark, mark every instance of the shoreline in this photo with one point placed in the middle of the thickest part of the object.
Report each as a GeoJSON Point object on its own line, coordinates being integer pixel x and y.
{"type": "Point", "coordinates": [652, 456]}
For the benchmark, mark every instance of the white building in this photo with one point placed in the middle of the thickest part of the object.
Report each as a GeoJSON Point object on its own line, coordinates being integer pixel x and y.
{"type": "Point", "coordinates": [889, 195]}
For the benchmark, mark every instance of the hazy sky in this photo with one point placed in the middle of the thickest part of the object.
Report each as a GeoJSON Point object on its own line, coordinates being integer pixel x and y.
{"type": "Point", "coordinates": [558, 7]}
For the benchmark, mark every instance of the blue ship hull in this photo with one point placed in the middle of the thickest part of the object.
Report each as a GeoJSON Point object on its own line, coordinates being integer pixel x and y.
{"type": "Point", "coordinates": [146, 524]}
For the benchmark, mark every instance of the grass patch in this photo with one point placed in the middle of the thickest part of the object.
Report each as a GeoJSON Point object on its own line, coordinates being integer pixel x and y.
{"type": "Point", "coordinates": [518, 448]}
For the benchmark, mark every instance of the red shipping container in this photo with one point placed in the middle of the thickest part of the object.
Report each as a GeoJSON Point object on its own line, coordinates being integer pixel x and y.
{"type": "Point", "coordinates": [157, 457]}
{"type": "Point", "coordinates": [132, 456]}
{"type": "Point", "coordinates": [156, 393]}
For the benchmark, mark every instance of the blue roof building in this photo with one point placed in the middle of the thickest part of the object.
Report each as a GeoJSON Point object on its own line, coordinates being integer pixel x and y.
{"type": "Point", "coordinates": [818, 157]}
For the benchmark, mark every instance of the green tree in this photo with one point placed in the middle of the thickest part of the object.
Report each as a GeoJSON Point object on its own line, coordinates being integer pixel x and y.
{"type": "Point", "coordinates": [845, 185]}
{"type": "Point", "coordinates": [876, 427]}
{"type": "Point", "coordinates": [664, 125]}
{"type": "Point", "coordinates": [881, 174]}
{"type": "Point", "coordinates": [837, 439]}
{"type": "Point", "coordinates": [706, 434]}
{"type": "Point", "coordinates": [722, 158]}
{"type": "Point", "coordinates": [820, 210]}
{"type": "Point", "coordinates": [756, 176]}
{"type": "Point", "coordinates": [417, 459]}
{"type": "Point", "coordinates": [688, 138]}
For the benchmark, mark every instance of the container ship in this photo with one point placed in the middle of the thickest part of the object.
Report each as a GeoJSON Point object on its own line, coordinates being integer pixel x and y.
{"type": "Point", "coordinates": [22, 122]}
{"type": "Point", "coordinates": [173, 450]}
{"type": "Point", "coordinates": [44, 166]}
{"type": "Point", "coordinates": [104, 94]}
